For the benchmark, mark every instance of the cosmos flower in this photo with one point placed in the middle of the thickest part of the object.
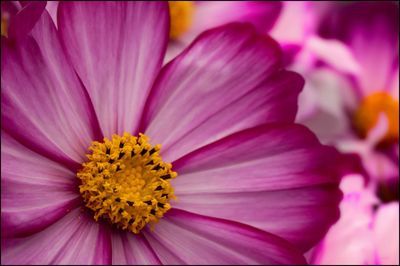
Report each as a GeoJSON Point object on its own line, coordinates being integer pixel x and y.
{"type": "Point", "coordinates": [368, 88]}
{"type": "Point", "coordinates": [234, 180]}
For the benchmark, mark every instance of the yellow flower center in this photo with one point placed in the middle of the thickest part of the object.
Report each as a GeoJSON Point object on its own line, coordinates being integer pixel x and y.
{"type": "Point", "coordinates": [126, 182]}
{"type": "Point", "coordinates": [181, 13]}
{"type": "Point", "coordinates": [366, 116]}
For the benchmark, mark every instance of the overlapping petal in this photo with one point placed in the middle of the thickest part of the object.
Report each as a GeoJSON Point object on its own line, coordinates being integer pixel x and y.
{"type": "Point", "coordinates": [229, 79]}
{"type": "Point", "coordinates": [43, 103]}
{"type": "Point", "coordinates": [371, 30]}
{"type": "Point", "coordinates": [74, 239]}
{"type": "Point", "coordinates": [274, 177]}
{"type": "Point", "coordinates": [117, 49]}
{"type": "Point", "coordinates": [186, 238]}
{"type": "Point", "coordinates": [131, 249]}
{"type": "Point", "coordinates": [36, 191]}
{"type": "Point", "coordinates": [22, 22]}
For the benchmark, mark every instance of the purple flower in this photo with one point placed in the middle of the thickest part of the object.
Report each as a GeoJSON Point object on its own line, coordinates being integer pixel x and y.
{"type": "Point", "coordinates": [252, 187]}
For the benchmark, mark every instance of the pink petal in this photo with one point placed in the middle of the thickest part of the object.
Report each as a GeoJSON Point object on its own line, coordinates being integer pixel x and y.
{"type": "Point", "coordinates": [295, 22]}
{"type": "Point", "coordinates": [117, 49]}
{"type": "Point", "coordinates": [187, 238]}
{"type": "Point", "coordinates": [43, 104]}
{"type": "Point", "coordinates": [274, 177]}
{"type": "Point", "coordinates": [74, 239]}
{"type": "Point", "coordinates": [128, 248]}
{"type": "Point", "coordinates": [36, 191]}
{"type": "Point", "coordinates": [386, 234]}
{"type": "Point", "coordinates": [349, 241]}
{"type": "Point", "coordinates": [207, 15]}
{"type": "Point", "coordinates": [371, 30]}
{"type": "Point", "coordinates": [227, 80]}
{"type": "Point", "coordinates": [52, 7]}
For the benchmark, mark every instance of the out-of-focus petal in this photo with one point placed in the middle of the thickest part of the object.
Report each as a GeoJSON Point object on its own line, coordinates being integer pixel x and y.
{"type": "Point", "coordinates": [227, 80]}
{"type": "Point", "coordinates": [130, 249]}
{"type": "Point", "coordinates": [323, 102]}
{"type": "Point", "coordinates": [186, 238]}
{"type": "Point", "coordinates": [35, 192]}
{"type": "Point", "coordinates": [207, 15]}
{"type": "Point", "coordinates": [349, 241]}
{"type": "Point", "coordinates": [334, 53]}
{"type": "Point", "coordinates": [74, 239]}
{"type": "Point", "coordinates": [386, 234]}
{"type": "Point", "coordinates": [44, 106]}
{"type": "Point", "coordinates": [275, 177]}
{"type": "Point", "coordinates": [117, 49]}
{"type": "Point", "coordinates": [371, 30]}
{"type": "Point", "coordinates": [295, 23]}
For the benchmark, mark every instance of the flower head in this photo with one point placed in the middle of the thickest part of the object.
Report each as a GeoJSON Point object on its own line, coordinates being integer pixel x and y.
{"type": "Point", "coordinates": [250, 185]}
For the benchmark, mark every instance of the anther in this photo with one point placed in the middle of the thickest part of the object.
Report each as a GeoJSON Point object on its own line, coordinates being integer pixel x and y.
{"type": "Point", "coordinates": [108, 180]}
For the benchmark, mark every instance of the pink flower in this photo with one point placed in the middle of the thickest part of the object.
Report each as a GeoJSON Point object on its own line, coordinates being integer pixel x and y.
{"type": "Point", "coordinates": [358, 84]}
{"type": "Point", "coordinates": [252, 186]}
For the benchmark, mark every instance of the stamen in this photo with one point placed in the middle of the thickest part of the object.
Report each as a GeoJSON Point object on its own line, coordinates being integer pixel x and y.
{"type": "Point", "coordinates": [366, 116]}
{"type": "Point", "coordinates": [128, 191]}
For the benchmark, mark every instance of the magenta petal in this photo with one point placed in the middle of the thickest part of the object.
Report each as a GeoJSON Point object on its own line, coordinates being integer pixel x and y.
{"type": "Point", "coordinates": [130, 249]}
{"type": "Point", "coordinates": [186, 238]}
{"type": "Point", "coordinates": [117, 49]}
{"type": "Point", "coordinates": [275, 177]}
{"type": "Point", "coordinates": [74, 239]}
{"type": "Point", "coordinates": [25, 19]}
{"type": "Point", "coordinates": [35, 192]}
{"type": "Point", "coordinates": [371, 30]}
{"type": "Point", "coordinates": [43, 103]}
{"type": "Point", "coordinates": [226, 80]}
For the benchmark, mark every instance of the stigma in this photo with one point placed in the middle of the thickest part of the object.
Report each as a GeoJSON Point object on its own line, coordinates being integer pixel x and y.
{"type": "Point", "coordinates": [366, 116]}
{"type": "Point", "coordinates": [126, 182]}
{"type": "Point", "coordinates": [181, 14]}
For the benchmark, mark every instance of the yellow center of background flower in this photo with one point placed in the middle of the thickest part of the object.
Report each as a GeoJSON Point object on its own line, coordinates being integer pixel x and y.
{"type": "Point", "coordinates": [4, 23]}
{"type": "Point", "coordinates": [181, 13]}
{"type": "Point", "coordinates": [366, 116]}
{"type": "Point", "coordinates": [126, 182]}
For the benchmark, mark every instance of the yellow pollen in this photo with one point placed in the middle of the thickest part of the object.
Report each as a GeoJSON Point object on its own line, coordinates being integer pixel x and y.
{"type": "Point", "coordinates": [181, 14]}
{"type": "Point", "coordinates": [126, 182]}
{"type": "Point", "coordinates": [366, 116]}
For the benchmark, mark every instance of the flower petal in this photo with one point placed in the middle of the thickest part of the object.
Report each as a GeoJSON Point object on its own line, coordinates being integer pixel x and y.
{"type": "Point", "coordinates": [227, 80]}
{"type": "Point", "coordinates": [74, 239]}
{"type": "Point", "coordinates": [117, 49]}
{"type": "Point", "coordinates": [275, 177]}
{"type": "Point", "coordinates": [130, 249]}
{"type": "Point", "coordinates": [386, 234]}
{"type": "Point", "coordinates": [25, 19]}
{"type": "Point", "coordinates": [371, 30]}
{"type": "Point", "coordinates": [36, 191]}
{"type": "Point", "coordinates": [207, 15]}
{"type": "Point", "coordinates": [186, 238]}
{"type": "Point", "coordinates": [43, 104]}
